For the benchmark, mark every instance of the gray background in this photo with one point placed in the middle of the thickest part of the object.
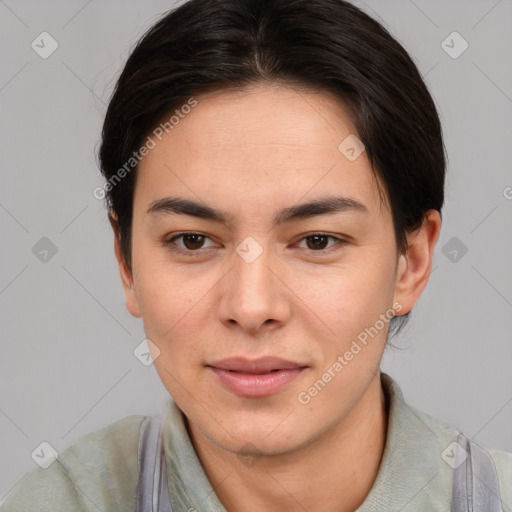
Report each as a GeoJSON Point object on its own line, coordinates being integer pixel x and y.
{"type": "Point", "coordinates": [67, 365]}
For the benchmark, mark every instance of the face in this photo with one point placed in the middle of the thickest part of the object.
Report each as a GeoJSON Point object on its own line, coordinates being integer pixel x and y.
{"type": "Point", "coordinates": [268, 277]}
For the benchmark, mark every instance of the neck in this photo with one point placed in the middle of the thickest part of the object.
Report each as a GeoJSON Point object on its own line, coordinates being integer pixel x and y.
{"type": "Point", "coordinates": [334, 473]}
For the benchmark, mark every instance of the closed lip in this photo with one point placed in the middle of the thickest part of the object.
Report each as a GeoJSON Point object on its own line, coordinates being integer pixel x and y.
{"type": "Point", "coordinates": [256, 366]}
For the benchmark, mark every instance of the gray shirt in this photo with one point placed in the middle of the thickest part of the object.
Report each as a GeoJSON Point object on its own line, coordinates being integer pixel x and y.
{"type": "Point", "coordinates": [100, 473]}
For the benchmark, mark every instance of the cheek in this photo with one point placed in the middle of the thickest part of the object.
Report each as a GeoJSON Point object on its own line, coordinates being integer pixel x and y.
{"type": "Point", "coordinates": [173, 314]}
{"type": "Point", "coordinates": [177, 314]}
{"type": "Point", "coordinates": [170, 303]}
{"type": "Point", "coordinates": [346, 301]}
{"type": "Point", "coordinates": [165, 291]}
{"type": "Point", "coordinates": [344, 291]}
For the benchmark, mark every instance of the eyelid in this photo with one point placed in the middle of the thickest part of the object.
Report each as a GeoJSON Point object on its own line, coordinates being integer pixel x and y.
{"type": "Point", "coordinates": [339, 242]}
{"type": "Point", "coordinates": [168, 243]}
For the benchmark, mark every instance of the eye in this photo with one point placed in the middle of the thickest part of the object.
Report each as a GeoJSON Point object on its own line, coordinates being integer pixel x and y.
{"type": "Point", "coordinates": [317, 242]}
{"type": "Point", "coordinates": [192, 242]}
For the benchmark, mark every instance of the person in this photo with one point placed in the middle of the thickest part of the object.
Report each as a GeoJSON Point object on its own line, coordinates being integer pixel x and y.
{"type": "Point", "coordinates": [274, 177]}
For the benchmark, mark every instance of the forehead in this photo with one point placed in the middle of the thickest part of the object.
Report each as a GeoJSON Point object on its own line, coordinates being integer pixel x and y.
{"type": "Point", "coordinates": [260, 144]}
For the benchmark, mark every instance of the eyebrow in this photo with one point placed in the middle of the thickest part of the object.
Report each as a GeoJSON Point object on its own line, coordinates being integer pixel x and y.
{"type": "Point", "coordinates": [321, 206]}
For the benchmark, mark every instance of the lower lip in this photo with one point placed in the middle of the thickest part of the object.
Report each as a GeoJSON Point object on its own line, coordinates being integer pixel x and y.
{"type": "Point", "coordinates": [250, 385]}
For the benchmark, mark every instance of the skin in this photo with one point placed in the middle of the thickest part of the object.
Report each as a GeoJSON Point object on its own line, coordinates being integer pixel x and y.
{"type": "Point", "coordinates": [251, 153]}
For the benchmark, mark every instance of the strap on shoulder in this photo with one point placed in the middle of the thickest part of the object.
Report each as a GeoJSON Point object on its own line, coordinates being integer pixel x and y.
{"type": "Point", "coordinates": [153, 488]}
{"type": "Point", "coordinates": [475, 486]}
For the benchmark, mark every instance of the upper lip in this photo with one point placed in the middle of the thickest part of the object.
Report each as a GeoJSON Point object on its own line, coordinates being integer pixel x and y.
{"type": "Point", "coordinates": [260, 365]}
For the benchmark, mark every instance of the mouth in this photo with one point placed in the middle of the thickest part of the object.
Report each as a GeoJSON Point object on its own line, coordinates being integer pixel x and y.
{"type": "Point", "coordinates": [260, 366]}
{"type": "Point", "coordinates": [252, 373]}
{"type": "Point", "coordinates": [256, 378]}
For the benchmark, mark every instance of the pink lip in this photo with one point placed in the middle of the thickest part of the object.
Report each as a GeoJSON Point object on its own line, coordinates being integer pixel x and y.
{"type": "Point", "coordinates": [251, 378]}
{"type": "Point", "coordinates": [256, 385]}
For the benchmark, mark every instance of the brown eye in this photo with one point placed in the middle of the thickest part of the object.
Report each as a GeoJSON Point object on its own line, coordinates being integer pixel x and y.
{"type": "Point", "coordinates": [193, 241]}
{"type": "Point", "coordinates": [317, 241]}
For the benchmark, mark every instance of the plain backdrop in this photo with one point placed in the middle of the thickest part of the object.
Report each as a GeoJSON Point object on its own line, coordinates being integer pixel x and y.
{"type": "Point", "coordinates": [67, 365]}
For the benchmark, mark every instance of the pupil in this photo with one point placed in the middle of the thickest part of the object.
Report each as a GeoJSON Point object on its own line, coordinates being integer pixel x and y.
{"type": "Point", "coordinates": [315, 239]}
{"type": "Point", "coordinates": [187, 241]}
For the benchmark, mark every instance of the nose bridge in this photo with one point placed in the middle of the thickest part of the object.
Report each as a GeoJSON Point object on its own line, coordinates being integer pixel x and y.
{"type": "Point", "coordinates": [252, 276]}
{"type": "Point", "coordinates": [253, 294]}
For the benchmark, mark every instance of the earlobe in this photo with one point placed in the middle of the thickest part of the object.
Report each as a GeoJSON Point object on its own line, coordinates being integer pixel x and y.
{"type": "Point", "coordinates": [415, 265]}
{"type": "Point", "coordinates": [126, 274]}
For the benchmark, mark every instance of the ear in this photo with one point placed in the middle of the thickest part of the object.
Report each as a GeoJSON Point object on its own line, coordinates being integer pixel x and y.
{"type": "Point", "coordinates": [132, 304]}
{"type": "Point", "coordinates": [415, 265]}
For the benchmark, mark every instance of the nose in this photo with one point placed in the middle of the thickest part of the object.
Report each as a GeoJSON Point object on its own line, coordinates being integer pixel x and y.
{"type": "Point", "coordinates": [254, 296]}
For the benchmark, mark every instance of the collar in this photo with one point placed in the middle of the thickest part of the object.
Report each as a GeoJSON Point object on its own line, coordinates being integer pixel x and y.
{"type": "Point", "coordinates": [412, 473]}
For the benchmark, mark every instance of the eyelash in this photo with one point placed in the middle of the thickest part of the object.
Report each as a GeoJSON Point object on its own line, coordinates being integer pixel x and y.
{"type": "Point", "coordinates": [169, 243]}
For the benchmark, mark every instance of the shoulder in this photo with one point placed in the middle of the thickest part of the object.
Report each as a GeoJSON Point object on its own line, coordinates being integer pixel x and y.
{"type": "Point", "coordinates": [503, 462]}
{"type": "Point", "coordinates": [448, 433]}
{"type": "Point", "coordinates": [99, 471]}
